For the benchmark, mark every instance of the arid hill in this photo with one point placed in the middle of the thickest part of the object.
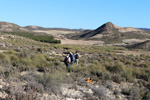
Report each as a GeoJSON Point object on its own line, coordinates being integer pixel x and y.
{"type": "Point", "coordinates": [107, 33]}
{"type": "Point", "coordinates": [10, 27]}
{"type": "Point", "coordinates": [143, 45]}
{"type": "Point", "coordinates": [111, 33]}
{"type": "Point", "coordinates": [43, 28]}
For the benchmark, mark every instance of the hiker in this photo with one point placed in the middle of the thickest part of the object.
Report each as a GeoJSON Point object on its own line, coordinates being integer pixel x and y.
{"type": "Point", "coordinates": [71, 57]}
{"type": "Point", "coordinates": [67, 61]}
{"type": "Point", "coordinates": [76, 57]}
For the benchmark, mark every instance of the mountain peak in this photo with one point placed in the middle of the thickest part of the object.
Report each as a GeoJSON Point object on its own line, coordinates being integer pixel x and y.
{"type": "Point", "coordinates": [111, 32]}
{"type": "Point", "coordinates": [108, 25]}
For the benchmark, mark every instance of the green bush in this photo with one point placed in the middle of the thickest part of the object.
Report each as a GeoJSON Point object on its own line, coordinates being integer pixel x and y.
{"type": "Point", "coordinates": [105, 75]}
{"type": "Point", "coordinates": [145, 65]}
{"type": "Point", "coordinates": [48, 39]}
{"type": "Point", "coordinates": [135, 93]}
{"type": "Point", "coordinates": [2, 56]}
{"type": "Point", "coordinates": [117, 78]}
{"type": "Point", "coordinates": [128, 62]}
{"type": "Point", "coordinates": [52, 82]}
{"type": "Point", "coordinates": [5, 61]}
{"type": "Point", "coordinates": [74, 68]}
{"type": "Point", "coordinates": [117, 67]}
{"type": "Point", "coordinates": [128, 75]}
{"type": "Point", "coordinates": [1, 70]}
{"type": "Point", "coordinates": [34, 36]}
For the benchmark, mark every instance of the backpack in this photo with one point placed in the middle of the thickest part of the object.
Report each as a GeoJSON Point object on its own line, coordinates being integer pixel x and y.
{"type": "Point", "coordinates": [77, 56]}
{"type": "Point", "coordinates": [72, 57]}
{"type": "Point", "coordinates": [66, 60]}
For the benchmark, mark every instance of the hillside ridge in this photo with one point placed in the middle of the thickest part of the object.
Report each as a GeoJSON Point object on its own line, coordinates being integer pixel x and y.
{"type": "Point", "coordinates": [111, 33]}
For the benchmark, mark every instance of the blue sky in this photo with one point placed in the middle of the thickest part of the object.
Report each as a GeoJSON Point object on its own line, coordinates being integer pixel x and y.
{"type": "Point", "coordinates": [74, 14]}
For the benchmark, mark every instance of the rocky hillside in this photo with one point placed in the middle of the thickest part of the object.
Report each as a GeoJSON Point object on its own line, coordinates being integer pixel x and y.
{"type": "Point", "coordinates": [43, 28]}
{"type": "Point", "coordinates": [144, 28]}
{"type": "Point", "coordinates": [10, 27]}
{"type": "Point", "coordinates": [32, 70]}
{"type": "Point", "coordinates": [143, 45]}
{"type": "Point", "coordinates": [30, 31]}
{"type": "Point", "coordinates": [111, 33]}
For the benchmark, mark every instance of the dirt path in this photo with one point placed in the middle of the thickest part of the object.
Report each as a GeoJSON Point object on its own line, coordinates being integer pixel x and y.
{"type": "Point", "coordinates": [81, 42]}
{"type": "Point", "coordinates": [1, 51]}
{"type": "Point", "coordinates": [135, 53]}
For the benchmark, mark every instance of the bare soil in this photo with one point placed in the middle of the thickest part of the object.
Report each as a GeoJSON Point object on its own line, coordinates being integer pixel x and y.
{"type": "Point", "coordinates": [1, 51]}
{"type": "Point", "coordinates": [135, 53]}
{"type": "Point", "coordinates": [81, 42]}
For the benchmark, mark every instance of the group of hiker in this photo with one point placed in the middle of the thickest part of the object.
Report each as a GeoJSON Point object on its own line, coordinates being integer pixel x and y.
{"type": "Point", "coordinates": [70, 58]}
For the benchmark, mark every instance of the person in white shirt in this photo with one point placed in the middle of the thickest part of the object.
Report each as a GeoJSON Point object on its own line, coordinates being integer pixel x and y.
{"type": "Point", "coordinates": [67, 61]}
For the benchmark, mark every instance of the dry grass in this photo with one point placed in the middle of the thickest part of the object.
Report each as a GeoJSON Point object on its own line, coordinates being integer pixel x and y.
{"type": "Point", "coordinates": [55, 32]}
{"type": "Point", "coordinates": [1, 51]}
{"type": "Point", "coordinates": [135, 53]}
{"type": "Point", "coordinates": [59, 34]}
{"type": "Point", "coordinates": [80, 42]}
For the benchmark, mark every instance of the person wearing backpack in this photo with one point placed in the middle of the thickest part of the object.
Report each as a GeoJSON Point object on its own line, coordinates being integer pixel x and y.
{"type": "Point", "coordinates": [71, 57]}
{"type": "Point", "coordinates": [76, 57]}
{"type": "Point", "coordinates": [67, 61]}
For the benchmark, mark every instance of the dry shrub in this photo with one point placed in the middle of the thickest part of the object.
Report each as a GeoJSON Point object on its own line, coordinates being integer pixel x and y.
{"type": "Point", "coordinates": [100, 92]}
{"type": "Point", "coordinates": [19, 92]}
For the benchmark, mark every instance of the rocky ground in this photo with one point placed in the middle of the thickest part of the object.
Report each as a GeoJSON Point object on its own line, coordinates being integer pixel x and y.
{"type": "Point", "coordinates": [79, 90]}
{"type": "Point", "coordinates": [25, 87]}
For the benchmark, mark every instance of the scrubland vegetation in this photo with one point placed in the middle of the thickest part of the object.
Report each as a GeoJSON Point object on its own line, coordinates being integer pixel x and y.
{"type": "Point", "coordinates": [38, 37]}
{"type": "Point", "coordinates": [41, 66]}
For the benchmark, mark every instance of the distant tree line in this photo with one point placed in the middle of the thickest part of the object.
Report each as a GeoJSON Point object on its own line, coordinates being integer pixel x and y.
{"type": "Point", "coordinates": [36, 37]}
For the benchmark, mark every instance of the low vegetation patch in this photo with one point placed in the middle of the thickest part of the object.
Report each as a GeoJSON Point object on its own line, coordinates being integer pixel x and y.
{"type": "Point", "coordinates": [37, 37]}
{"type": "Point", "coordinates": [41, 64]}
